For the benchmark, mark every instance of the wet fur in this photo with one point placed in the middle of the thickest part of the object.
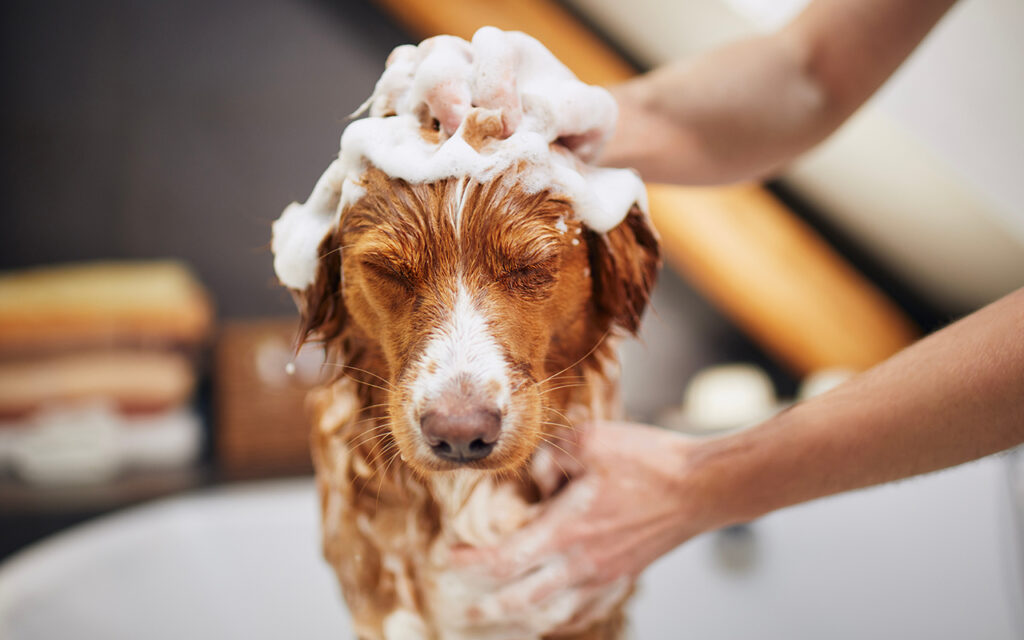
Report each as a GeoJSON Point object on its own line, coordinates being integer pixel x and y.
{"type": "Point", "coordinates": [386, 279]}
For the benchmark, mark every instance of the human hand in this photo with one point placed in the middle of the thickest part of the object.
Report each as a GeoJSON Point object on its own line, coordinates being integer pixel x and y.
{"type": "Point", "coordinates": [580, 555]}
{"type": "Point", "coordinates": [508, 74]}
{"type": "Point", "coordinates": [663, 145]}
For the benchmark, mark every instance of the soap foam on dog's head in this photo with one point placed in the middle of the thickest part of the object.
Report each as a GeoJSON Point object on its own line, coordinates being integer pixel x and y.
{"type": "Point", "coordinates": [542, 118]}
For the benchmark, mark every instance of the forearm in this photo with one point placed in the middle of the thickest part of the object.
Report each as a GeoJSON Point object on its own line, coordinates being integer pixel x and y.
{"type": "Point", "coordinates": [640, 492]}
{"type": "Point", "coordinates": [747, 109]}
{"type": "Point", "coordinates": [728, 115]}
{"type": "Point", "coordinates": [955, 396]}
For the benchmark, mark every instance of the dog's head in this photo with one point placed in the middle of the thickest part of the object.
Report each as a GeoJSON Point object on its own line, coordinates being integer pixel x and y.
{"type": "Point", "coordinates": [471, 298]}
{"type": "Point", "coordinates": [468, 256]}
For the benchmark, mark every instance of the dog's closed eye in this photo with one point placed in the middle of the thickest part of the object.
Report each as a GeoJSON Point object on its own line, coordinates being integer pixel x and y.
{"type": "Point", "coordinates": [390, 271]}
{"type": "Point", "coordinates": [531, 280]}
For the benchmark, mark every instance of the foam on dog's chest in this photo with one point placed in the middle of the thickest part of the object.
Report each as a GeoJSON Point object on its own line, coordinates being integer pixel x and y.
{"type": "Point", "coordinates": [549, 126]}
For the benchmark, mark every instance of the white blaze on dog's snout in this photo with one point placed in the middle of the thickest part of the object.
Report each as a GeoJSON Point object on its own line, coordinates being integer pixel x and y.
{"type": "Point", "coordinates": [462, 351]}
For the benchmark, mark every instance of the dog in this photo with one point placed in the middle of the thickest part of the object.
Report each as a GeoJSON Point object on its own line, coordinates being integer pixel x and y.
{"type": "Point", "coordinates": [471, 324]}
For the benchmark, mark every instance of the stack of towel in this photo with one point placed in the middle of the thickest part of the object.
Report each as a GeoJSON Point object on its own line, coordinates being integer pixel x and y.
{"type": "Point", "coordinates": [98, 368]}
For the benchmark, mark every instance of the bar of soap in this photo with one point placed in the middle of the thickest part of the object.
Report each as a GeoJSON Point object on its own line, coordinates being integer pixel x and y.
{"type": "Point", "coordinates": [727, 397]}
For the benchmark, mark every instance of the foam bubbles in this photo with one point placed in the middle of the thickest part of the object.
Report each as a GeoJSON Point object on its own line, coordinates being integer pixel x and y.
{"type": "Point", "coordinates": [500, 101]}
{"type": "Point", "coordinates": [297, 234]}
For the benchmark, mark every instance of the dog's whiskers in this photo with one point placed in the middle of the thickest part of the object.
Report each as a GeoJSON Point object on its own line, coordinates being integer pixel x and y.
{"type": "Point", "coordinates": [389, 388]}
{"type": "Point", "coordinates": [565, 386]}
{"type": "Point", "coordinates": [555, 460]}
{"type": "Point", "coordinates": [342, 365]}
{"type": "Point", "coordinates": [368, 438]}
{"type": "Point", "coordinates": [337, 249]}
{"type": "Point", "coordinates": [384, 474]}
{"type": "Point", "coordinates": [555, 435]}
{"type": "Point", "coordinates": [587, 382]}
{"type": "Point", "coordinates": [375, 469]}
{"type": "Point", "coordinates": [355, 424]}
{"type": "Point", "coordinates": [599, 342]}
{"type": "Point", "coordinates": [372, 456]}
{"type": "Point", "coordinates": [568, 376]}
{"type": "Point", "coordinates": [372, 406]}
{"type": "Point", "coordinates": [565, 417]}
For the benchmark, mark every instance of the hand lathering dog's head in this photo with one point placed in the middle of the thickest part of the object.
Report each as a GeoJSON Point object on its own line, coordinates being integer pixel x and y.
{"type": "Point", "coordinates": [466, 297]}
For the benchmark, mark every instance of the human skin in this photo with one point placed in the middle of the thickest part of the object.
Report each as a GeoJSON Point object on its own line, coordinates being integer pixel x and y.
{"type": "Point", "coordinates": [954, 396]}
{"type": "Point", "coordinates": [738, 113]}
{"type": "Point", "coordinates": [747, 109]}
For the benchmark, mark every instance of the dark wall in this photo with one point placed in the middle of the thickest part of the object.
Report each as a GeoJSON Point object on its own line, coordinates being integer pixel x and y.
{"type": "Point", "coordinates": [136, 129]}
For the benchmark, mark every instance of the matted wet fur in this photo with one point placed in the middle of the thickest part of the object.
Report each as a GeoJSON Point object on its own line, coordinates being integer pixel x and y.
{"type": "Point", "coordinates": [554, 294]}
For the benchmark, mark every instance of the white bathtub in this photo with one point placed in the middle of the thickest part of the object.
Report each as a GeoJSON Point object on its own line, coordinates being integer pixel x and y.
{"type": "Point", "coordinates": [933, 557]}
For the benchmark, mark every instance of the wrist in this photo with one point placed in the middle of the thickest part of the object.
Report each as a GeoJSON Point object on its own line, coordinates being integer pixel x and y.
{"type": "Point", "coordinates": [697, 489]}
{"type": "Point", "coordinates": [728, 480]}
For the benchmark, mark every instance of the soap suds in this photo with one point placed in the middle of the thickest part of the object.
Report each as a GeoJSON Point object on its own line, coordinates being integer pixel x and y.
{"type": "Point", "coordinates": [500, 101]}
{"type": "Point", "coordinates": [403, 624]}
{"type": "Point", "coordinates": [297, 234]}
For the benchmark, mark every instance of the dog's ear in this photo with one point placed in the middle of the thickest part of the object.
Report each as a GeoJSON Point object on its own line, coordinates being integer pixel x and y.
{"type": "Point", "coordinates": [624, 264]}
{"type": "Point", "coordinates": [311, 271]}
{"type": "Point", "coordinates": [321, 305]}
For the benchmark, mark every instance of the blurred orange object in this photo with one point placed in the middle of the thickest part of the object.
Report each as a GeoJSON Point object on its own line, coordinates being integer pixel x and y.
{"type": "Point", "coordinates": [144, 304]}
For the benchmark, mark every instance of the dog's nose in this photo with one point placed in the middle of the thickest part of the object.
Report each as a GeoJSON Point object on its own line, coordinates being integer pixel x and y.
{"type": "Point", "coordinates": [462, 435]}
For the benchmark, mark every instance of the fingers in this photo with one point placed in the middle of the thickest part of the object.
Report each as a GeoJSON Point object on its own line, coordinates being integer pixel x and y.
{"type": "Point", "coordinates": [551, 534]}
{"type": "Point", "coordinates": [556, 576]}
{"type": "Point", "coordinates": [448, 101]}
{"type": "Point", "coordinates": [541, 575]}
{"type": "Point", "coordinates": [586, 145]}
{"type": "Point", "coordinates": [556, 596]}
{"type": "Point", "coordinates": [585, 113]}
{"type": "Point", "coordinates": [519, 554]}
{"type": "Point", "coordinates": [494, 77]}
{"type": "Point", "coordinates": [394, 82]}
{"type": "Point", "coordinates": [505, 597]}
{"type": "Point", "coordinates": [553, 465]}
{"type": "Point", "coordinates": [546, 597]}
{"type": "Point", "coordinates": [599, 601]}
{"type": "Point", "coordinates": [442, 80]}
{"type": "Point", "coordinates": [444, 77]}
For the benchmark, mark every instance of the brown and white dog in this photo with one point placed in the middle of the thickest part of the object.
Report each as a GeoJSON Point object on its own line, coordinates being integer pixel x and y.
{"type": "Point", "coordinates": [465, 340]}
{"type": "Point", "coordinates": [471, 323]}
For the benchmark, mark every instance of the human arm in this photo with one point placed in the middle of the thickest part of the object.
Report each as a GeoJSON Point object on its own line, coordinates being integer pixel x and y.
{"type": "Point", "coordinates": [955, 396]}
{"type": "Point", "coordinates": [745, 110]}
{"type": "Point", "coordinates": [952, 397]}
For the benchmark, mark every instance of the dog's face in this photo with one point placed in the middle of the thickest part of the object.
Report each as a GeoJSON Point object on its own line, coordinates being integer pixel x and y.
{"type": "Point", "coordinates": [469, 299]}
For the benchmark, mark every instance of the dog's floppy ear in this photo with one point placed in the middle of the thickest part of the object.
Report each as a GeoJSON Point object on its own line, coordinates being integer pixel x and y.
{"type": "Point", "coordinates": [321, 305]}
{"type": "Point", "coordinates": [624, 263]}
{"type": "Point", "coordinates": [307, 256]}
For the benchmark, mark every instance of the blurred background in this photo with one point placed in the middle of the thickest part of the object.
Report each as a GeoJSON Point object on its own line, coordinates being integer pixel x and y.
{"type": "Point", "coordinates": [137, 131]}
{"type": "Point", "coordinates": [148, 146]}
